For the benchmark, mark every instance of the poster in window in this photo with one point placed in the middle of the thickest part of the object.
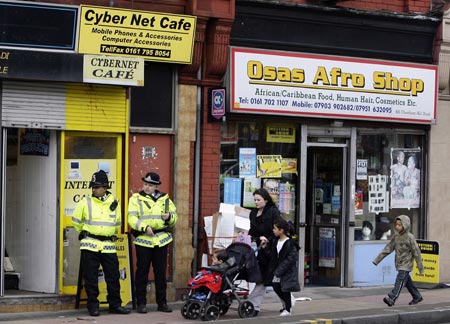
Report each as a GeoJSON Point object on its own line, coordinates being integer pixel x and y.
{"type": "Point", "coordinates": [359, 203]}
{"type": "Point", "coordinates": [327, 247]}
{"type": "Point", "coordinates": [405, 177]}
{"type": "Point", "coordinates": [250, 185]}
{"type": "Point", "coordinates": [378, 194]}
{"type": "Point", "coordinates": [247, 162]}
{"type": "Point", "coordinates": [232, 191]}
{"type": "Point", "coordinates": [34, 142]}
{"type": "Point", "coordinates": [361, 169]}
{"type": "Point", "coordinates": [273, 187]}
{"type": "Point", "coordinates": [280, 133]}
{"type": "Point", "coordinates": [268, 166]}
{"type": "Point", "coordinates": [289, 165]}
{"type": "Point", "coordinates": [287, 197]}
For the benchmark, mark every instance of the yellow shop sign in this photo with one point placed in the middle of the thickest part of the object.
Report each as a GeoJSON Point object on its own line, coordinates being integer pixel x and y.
{"type": "Point", "coordinates": [149, 35]}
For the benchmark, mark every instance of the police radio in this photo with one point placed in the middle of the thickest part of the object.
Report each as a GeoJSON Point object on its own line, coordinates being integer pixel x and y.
{"type": "Point", "coordinates": [166, 206]}
{"type": "Point", "coordinates": [113, 205]}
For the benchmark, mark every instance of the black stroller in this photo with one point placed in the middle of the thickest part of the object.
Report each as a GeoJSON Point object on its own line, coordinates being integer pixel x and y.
{"type": "Point", "coordinates": [211, 292]}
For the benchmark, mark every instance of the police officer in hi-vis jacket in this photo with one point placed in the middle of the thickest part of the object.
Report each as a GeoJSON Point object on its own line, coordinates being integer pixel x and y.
{"type": "Point", "coordinates": [151, 216]}
{"type": "Point", "coordinates": [98, 218]}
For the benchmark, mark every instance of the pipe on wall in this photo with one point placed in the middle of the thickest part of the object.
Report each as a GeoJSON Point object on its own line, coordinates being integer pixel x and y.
{"type": "Point", "coordinates": [197, 178]}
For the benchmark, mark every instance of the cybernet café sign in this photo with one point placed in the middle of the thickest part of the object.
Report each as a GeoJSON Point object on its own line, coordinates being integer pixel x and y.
{"type": "Point", "coordinates": [113, 70]}
{"type": "Point", "coordinates": [152, 36]}
{"type": "Point", "coordinates": [295, 84]}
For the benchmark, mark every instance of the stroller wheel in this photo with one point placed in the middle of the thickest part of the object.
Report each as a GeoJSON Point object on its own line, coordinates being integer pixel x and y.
{"type": "Point", "coordinates": [193, 310]}
{"type": "Point", "coordinates": [246, 309]}
{"type": "Point", "coordinates": [211, 313]}
{"type": "Point", "coordinates": [184, 309]}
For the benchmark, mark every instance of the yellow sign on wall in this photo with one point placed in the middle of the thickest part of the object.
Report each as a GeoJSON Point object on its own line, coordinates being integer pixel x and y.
{"type": "Point", "coordinates": [78, 175]}
{"type": "Point", "coordinates": [150, 35]}
{"type": "Point", "coordinates": [430, 259]}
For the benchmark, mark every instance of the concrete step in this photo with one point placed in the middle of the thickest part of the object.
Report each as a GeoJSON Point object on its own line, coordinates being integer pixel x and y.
{"type": "Point", "coordinates": [16, 301]}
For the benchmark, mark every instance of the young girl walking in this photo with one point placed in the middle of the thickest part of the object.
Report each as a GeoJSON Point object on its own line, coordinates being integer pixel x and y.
{"type": "Point", "coordinates": [284, 265]}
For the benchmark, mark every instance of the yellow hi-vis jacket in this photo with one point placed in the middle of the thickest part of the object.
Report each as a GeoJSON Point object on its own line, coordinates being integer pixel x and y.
{"type": "Point", "coordinates": [145, 210]}
{"type": "Point", "coordinates": [95, 217]}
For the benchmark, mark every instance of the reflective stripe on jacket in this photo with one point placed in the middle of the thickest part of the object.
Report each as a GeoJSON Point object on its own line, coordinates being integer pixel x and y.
{"type": "Point", "coordinates": [145, 210]}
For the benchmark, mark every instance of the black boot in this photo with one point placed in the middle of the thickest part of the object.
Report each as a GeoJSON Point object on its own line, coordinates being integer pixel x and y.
{"type": "Point", "coordinates": [119, 310]}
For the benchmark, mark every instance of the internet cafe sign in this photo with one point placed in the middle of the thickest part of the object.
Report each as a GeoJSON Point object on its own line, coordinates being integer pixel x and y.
{"type": "Point", "coordinates": [282, 83]}
{"type": "Point", "coordinates": [113, 70]}
{"type": "Point", "coordinates": [149, 35]}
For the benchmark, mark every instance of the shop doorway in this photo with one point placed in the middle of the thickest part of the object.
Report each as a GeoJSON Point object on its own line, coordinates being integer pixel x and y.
{"type": "Point", "coordinates": [325, 212]}
{"type": "Point", "coordinates": [29, 209]}
{"type": "Point", "coordinates": [83, 154]}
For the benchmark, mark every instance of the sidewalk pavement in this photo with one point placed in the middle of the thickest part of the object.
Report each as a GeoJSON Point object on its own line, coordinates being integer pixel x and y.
{"type": "Point", "coordinates": [327, 305]}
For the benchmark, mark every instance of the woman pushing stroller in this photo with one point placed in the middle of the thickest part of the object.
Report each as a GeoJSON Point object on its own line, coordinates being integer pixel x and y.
{"type": "Point", "coordinates": [213, 289]}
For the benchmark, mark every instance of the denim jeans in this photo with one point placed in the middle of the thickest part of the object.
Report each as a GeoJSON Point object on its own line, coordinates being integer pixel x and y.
{"type": "Point", "coordinates": [403, 279]}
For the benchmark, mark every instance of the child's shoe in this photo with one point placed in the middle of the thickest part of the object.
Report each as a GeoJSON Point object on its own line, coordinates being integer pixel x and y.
{"type": "Point", "coordinates": [388, 301]}
{"type": "Point", "coordinates": [285, 313]}
{"type": "Point", "coordinates": [416, 301]}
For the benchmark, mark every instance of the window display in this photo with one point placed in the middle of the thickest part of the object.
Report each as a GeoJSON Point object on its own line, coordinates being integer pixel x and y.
{"type": "Point", "coordinates": [388, 182]}
{"type": "Point", "coordinates": [262, 155]}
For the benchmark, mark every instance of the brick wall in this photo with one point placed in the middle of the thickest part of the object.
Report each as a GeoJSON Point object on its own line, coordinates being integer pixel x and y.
{"type": "Point", "coordinates": [210, 163]}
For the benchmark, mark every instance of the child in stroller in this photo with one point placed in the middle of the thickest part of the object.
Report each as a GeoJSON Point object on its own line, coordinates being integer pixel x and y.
{"type": "Point", "coordinates": [213, 289]}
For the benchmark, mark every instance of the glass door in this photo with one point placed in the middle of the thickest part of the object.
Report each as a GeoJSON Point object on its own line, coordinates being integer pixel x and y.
{"type": "Point", "coordinates": [325, 212]}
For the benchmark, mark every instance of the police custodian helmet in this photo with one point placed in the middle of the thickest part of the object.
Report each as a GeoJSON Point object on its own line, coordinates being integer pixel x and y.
{"type": "Point", "coordinates": [99, 179]}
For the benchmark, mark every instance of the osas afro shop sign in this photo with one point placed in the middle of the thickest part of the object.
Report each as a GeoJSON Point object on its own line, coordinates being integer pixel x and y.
{"type": "Point", "coordinates": [283, 83]}
{"type": "Point", "coordinates": [152, 36]}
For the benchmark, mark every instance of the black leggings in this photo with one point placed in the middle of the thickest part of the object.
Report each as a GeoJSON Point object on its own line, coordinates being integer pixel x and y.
{"type": "Point", "coordinates": [284, 296]}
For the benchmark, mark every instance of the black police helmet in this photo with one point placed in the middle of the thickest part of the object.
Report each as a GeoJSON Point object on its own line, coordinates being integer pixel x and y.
{"type": "Point", "coordinates": [99, 179]}
{"type": "Point", "coordinates": [152, 177]}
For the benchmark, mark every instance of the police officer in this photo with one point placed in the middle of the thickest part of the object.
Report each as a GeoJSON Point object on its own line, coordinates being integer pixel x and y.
{"type": "Point", "coordinates": [98, 219]}
{"type": "Point", "coordinates": [151, 216]}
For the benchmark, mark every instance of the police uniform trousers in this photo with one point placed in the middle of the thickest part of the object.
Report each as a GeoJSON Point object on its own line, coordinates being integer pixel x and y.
{"type": "Point", "coordinates": [146, 256]}
{"type": "Point", "coordinates": [90, 262]}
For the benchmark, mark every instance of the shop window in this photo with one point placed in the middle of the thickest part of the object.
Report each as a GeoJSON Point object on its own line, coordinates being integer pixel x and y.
{"type": "Point", "coordinates": [259, 154]}
{"type": "Point", "coordinates": [389, 183]}
{"type": "Point", "coordinates": [152, 104]}
{"type": "Point", "coordinates": [78, 147]}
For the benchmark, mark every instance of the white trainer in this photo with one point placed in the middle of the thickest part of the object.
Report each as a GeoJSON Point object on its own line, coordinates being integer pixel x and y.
{"type": "Point", "coordinates": [285, 313]}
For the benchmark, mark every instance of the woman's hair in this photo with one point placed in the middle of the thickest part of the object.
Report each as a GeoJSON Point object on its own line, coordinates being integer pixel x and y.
{"type": "Point", "coordinates": [286, 226]}
{"type": "Point", "coordinates": [221, 255]}
{"type": "Point", "coordinates": [265, 195]}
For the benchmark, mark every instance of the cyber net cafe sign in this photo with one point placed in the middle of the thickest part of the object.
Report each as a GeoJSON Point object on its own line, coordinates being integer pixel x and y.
{"type": "Point", "coordinates": [113, 70]}
{"type": "Point", "coordinates": [296, 84]}
{"type": "Point", "coordinates": [152, 36]}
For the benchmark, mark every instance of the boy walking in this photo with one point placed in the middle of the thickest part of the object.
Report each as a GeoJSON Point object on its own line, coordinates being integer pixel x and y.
{"type": "Point", "coordinates": [406, 251]}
